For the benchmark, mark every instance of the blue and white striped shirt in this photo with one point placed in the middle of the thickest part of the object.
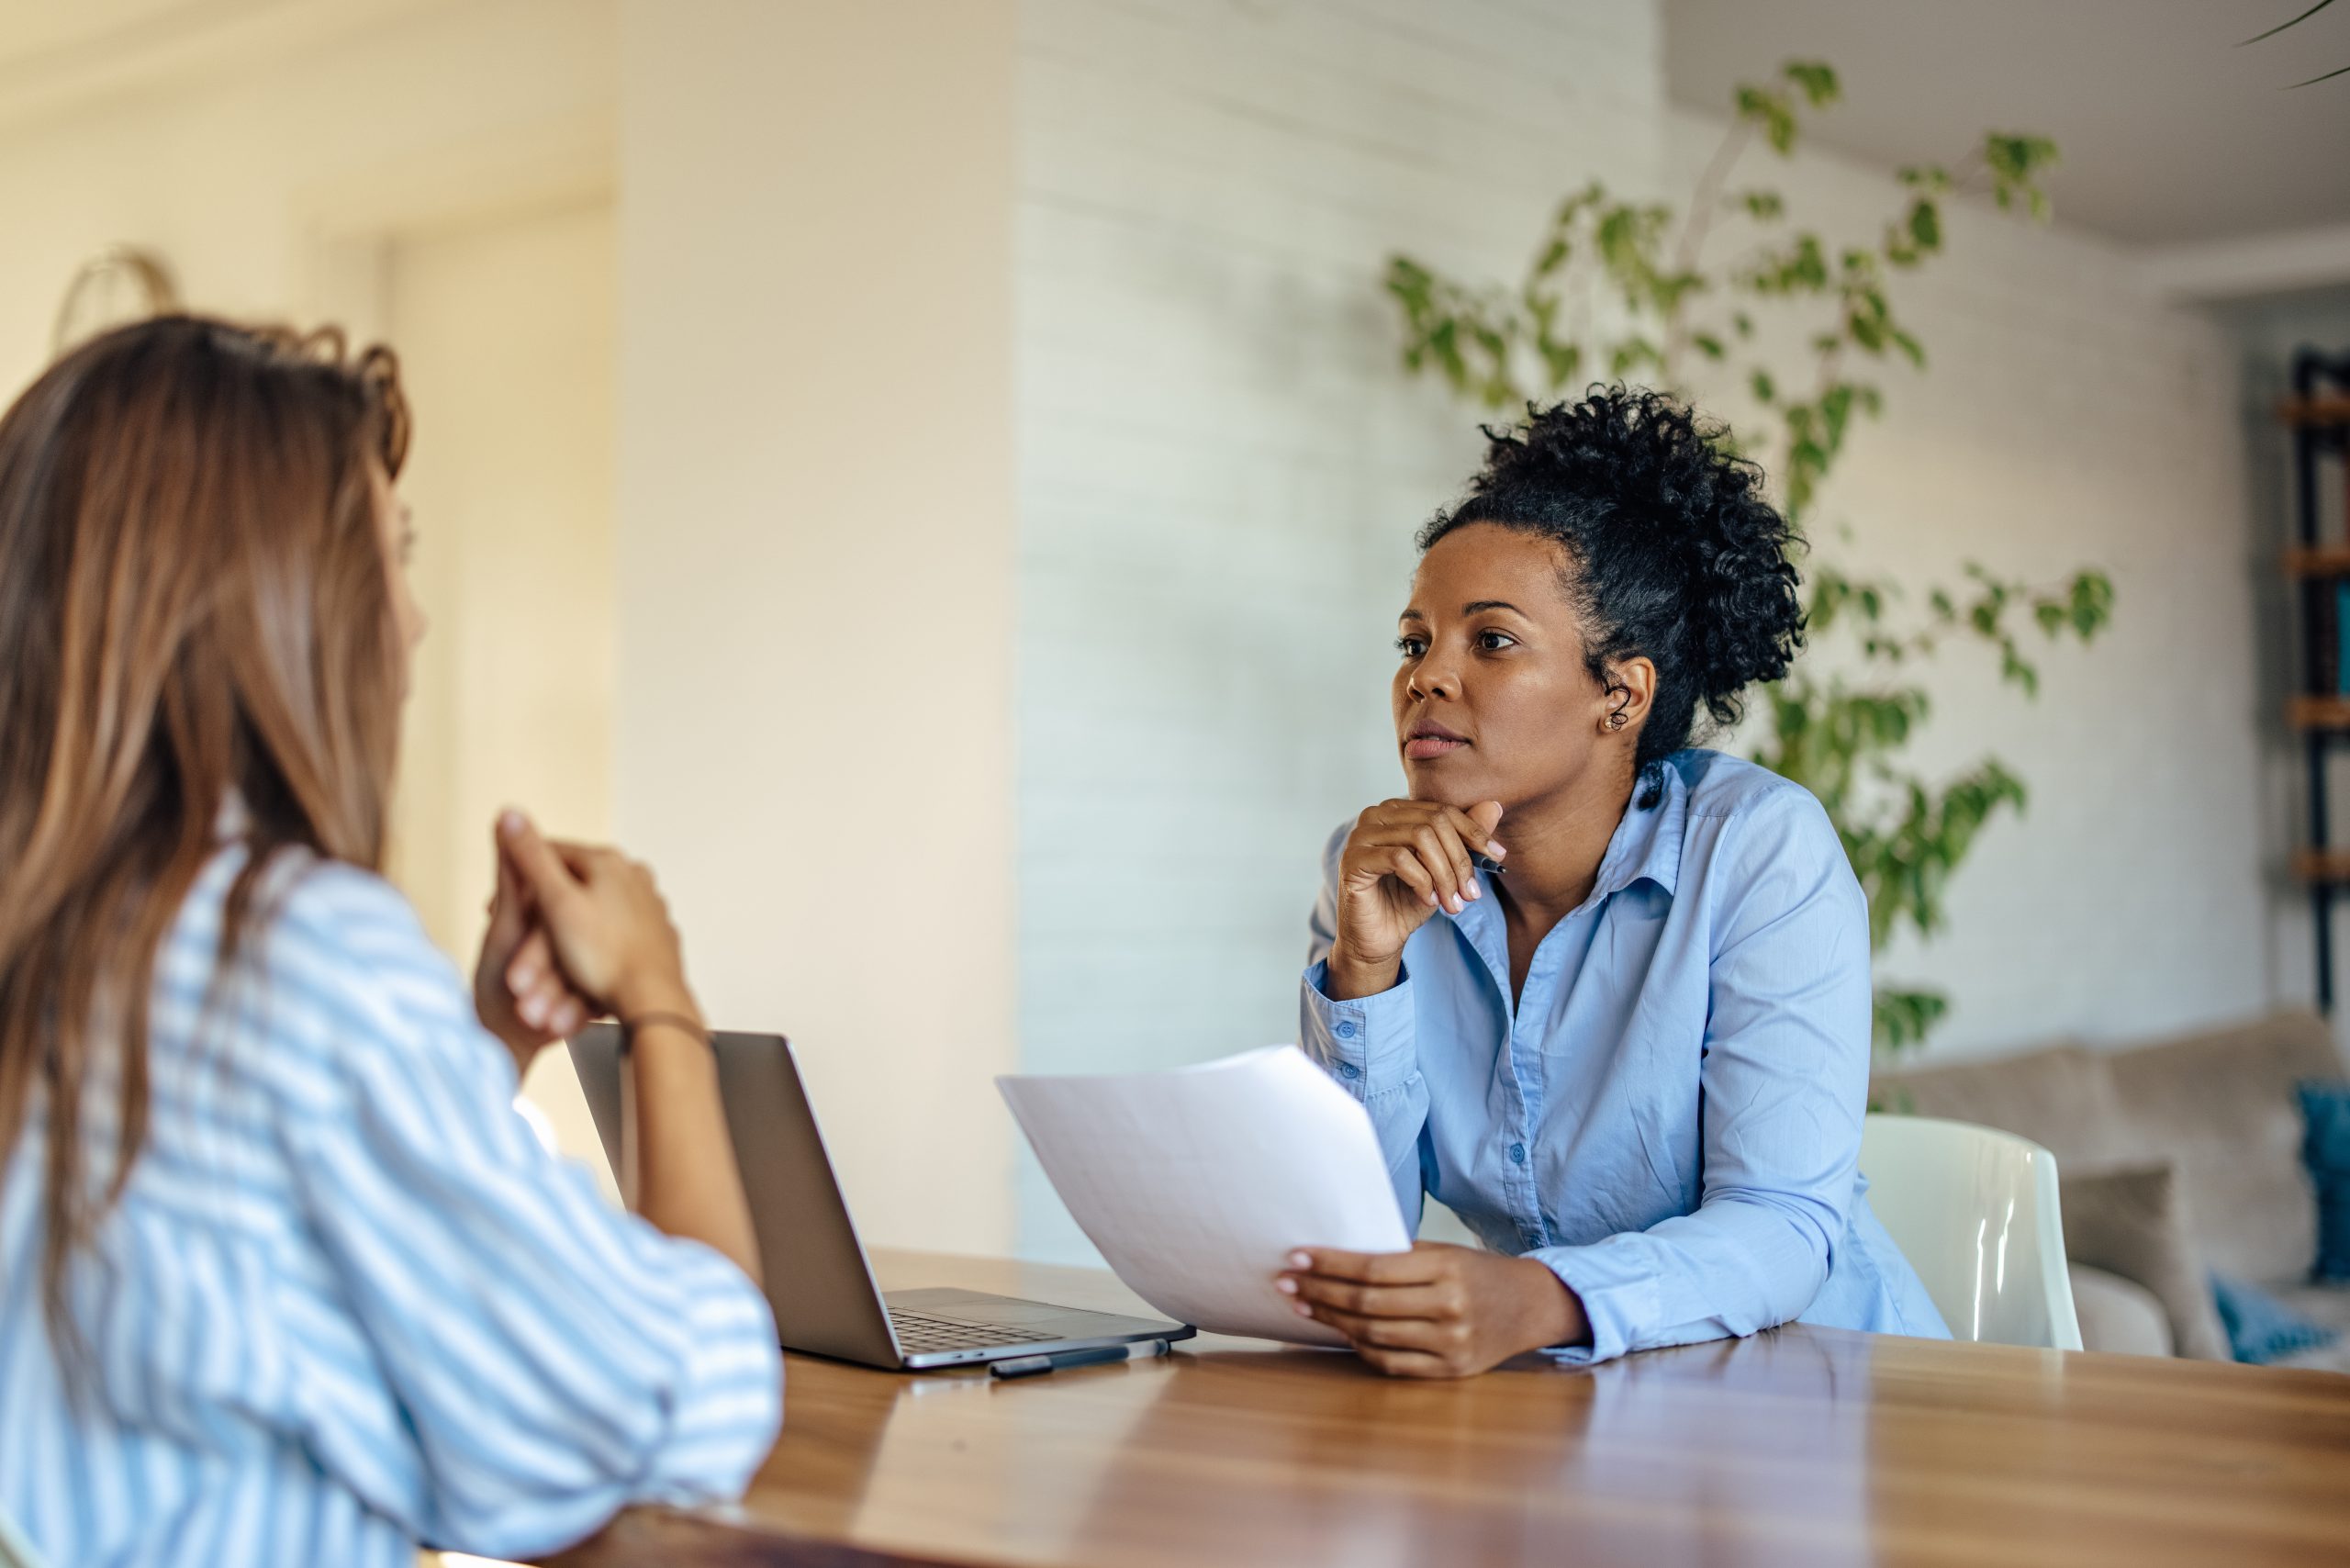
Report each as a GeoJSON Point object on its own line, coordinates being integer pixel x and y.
{"type": "Point", "coordinates": [348, 1304]}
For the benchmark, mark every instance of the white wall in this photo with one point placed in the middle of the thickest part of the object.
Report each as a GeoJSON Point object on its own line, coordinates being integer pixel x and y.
{"type": "Point", "coordinates": [1221, 466]}
{"type": "Point", "coordinates": [505, 336]}
{"type": "Point", "coordinates": [812, 727]}
{"type": "Point", "coordinates": [366, 164]}
{"type": "Point", "coordinates": [241, 172]}
{"type": "Point", "coordinates": [815, 720]}
{"type": "Point", "coordinates": [505, 331]}
{"type": "Point", "coordinates": [2067, 418]}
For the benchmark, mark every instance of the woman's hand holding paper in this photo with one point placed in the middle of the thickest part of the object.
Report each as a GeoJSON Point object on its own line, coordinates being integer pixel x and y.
{"type": "Point", "coordinates": [1437, 1310]}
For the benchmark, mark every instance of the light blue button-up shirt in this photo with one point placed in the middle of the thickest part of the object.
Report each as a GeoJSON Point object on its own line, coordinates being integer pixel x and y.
{"type": "Point", "coordinates": [1670, 1115]}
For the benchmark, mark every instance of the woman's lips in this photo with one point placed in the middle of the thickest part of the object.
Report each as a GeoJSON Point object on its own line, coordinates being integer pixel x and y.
{"type": "Point", "coordinates": [1420, 748]}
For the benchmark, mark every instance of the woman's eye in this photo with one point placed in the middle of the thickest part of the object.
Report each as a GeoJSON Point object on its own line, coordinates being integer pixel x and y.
{"type": "Point", "coordinates": [1411, 647]}
{"type": "Point", "coordinates": [1495, 641]}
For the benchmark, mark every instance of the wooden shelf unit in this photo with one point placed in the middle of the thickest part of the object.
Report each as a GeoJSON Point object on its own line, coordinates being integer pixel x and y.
{"type": "Point", "coordinates": [2318, 416]}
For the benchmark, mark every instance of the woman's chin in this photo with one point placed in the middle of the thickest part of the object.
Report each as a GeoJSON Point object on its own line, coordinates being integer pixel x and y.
{"type": "Point", "coordinates": [1446, 785]}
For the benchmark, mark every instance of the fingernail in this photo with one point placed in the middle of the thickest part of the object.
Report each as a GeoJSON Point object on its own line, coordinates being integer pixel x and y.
{"type": "Point", "coordinates": [1301, 1260]}
{"type": "Point", "coordinates": [510, 821]}
{"type": "Point", "coordinates": [1494, 849]}
{"type": "Point", "coordinates": [532, 1011]}
{"type": "Point", "coordinates": [1476, 890]}
{"type": "Point", "coordinates": [1432, 898]}
{"type": "Point", "coordinates": [1286, 1285]}
{"type": "Point", "coordinates": [521, 977]}
{"type": "Point", "coordinates": [1302, 1310]}
{"type": "Point", "coordinates": [1456, 904]}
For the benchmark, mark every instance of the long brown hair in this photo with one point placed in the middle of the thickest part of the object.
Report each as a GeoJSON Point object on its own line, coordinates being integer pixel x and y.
{"type": "Point", "coordinates": [194, 608]}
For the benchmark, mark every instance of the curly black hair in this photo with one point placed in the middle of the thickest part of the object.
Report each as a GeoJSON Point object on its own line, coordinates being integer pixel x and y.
{"type": "Point", "coordinates": [1675, 554]}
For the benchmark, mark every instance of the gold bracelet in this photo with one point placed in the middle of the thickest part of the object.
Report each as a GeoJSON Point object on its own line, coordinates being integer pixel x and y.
{"type": "Point", "coordinates": [629, 1026]}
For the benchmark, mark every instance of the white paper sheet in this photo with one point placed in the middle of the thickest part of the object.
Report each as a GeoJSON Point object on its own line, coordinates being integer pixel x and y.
{"type": "Point", "coordinates": [1197, 1184]}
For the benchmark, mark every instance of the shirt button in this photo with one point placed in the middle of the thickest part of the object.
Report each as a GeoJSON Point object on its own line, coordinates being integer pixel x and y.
{"type": "Point", "coordinates": [1518, 1153]}
{"type": "Point", "coordinates": [1349, 1069]}
{"type": "Point", "coordinates": [1347, 1028]}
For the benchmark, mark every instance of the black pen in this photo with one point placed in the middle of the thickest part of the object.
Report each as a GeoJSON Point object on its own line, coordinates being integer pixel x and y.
{"type": "Point", "coordinates": [1029, 1366]}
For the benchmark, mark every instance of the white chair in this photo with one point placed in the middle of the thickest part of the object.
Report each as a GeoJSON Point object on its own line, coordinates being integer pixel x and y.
{"type": "Point", "coordinates": [1974, 1210]}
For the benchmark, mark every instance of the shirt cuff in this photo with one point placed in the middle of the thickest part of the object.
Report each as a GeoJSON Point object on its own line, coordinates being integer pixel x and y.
{"type": "Point", "coordinates": [1367, 1043]}
{"type": "Point", "coordinates": [1618, 1293]}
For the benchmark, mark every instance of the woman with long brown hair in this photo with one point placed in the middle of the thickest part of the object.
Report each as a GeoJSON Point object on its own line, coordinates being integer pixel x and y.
{"type": "Point", "coordinates": [283, 1277]}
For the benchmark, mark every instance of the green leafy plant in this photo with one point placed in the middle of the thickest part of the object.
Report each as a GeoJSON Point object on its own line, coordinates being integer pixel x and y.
{"type": "Point", "coordinates": [1624, 290]}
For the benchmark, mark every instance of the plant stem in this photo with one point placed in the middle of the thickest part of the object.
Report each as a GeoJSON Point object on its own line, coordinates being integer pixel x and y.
{"type": "Point", "coordinates": [1690, 242]}
{"type": "Point", "coordinates": [1965, 169]}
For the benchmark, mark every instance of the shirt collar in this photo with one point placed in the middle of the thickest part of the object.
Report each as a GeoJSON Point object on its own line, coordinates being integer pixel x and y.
{"type": "Point", "coordinates": [1647, 842]}
{"type": "Point", "coordinates": [1646, 845]}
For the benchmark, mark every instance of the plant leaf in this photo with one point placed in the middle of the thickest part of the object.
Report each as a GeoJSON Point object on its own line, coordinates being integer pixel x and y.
{"type": "Point", "coordinates": [2296, 22]}
{"type": "Point", "coordinates": [1817, 79]}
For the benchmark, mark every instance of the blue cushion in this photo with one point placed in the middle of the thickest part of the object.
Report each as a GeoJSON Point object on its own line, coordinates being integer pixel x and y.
{"type": "Point", "coordinates": [2325, 1148]}
{"type": "Point", "coordinates": [2260, 1328]}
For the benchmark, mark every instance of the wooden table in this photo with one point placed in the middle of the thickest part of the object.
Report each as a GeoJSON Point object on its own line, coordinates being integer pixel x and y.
{"type": "Point", "coordinates": [1801, 1446]}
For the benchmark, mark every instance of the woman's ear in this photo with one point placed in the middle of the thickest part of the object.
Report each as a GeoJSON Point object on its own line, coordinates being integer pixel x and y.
{"type": "Point", "coordinates": [1631, 686]}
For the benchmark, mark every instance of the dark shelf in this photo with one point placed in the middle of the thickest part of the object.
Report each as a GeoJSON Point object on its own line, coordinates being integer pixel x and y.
{"type": "Point", "coordinates": [2315, 412]}
{"type": "Point", "coordinates": [2321, 867]}
{"type": "Point", "coordinates": [2325, 561]}
{"type": "Point", "coordinates": [2316, 713]}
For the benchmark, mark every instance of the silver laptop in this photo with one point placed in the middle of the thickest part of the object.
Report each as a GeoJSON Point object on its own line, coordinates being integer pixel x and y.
{"type": "Point", "coordinates": [817, 1278]}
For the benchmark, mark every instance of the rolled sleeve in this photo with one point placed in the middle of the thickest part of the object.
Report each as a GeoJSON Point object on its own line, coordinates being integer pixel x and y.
{"type": "Point", "coordinates": [557, 1360]}
{"type": "Point", "coordinates": [729, 1390]}
{"type": "Point", "coordinates": [552, 1361]}
{"type": "Point", "coordinates": [1366, 1043]}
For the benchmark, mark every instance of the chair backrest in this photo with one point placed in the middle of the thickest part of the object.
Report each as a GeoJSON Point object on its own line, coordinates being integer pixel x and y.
{"type": "Point", "coordinates": [1974, 1210]}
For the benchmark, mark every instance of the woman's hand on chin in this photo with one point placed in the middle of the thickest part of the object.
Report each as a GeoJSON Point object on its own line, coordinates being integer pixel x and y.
{"type": "Point", "coordinates": [1404, 861]}
{"type": "Point", "coordinates": [1437, 1310]}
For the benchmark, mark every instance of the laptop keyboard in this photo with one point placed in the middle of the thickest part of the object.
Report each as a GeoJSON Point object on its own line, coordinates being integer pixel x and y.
{"type": "Point", "coordinates": [919, 1333]}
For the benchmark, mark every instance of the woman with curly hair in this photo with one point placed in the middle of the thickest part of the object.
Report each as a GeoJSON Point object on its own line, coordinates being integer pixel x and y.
{"type": "Point", "coordinates": [1605, 994]}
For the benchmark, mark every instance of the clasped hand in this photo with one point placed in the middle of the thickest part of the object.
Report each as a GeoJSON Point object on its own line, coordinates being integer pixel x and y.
{"type": "Point", "coordinates": [575, 932]}
{"type": "Point", "coordinates": [1437, 1310]}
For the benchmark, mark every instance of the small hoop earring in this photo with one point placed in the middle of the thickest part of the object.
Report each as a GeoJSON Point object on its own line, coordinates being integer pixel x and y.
{"type": "Point", "coordinates": [1615, 720]}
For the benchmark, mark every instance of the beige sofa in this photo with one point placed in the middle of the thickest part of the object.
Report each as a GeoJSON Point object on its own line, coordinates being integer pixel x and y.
{"type": "Point", "coordinates": [2220, 1107]}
